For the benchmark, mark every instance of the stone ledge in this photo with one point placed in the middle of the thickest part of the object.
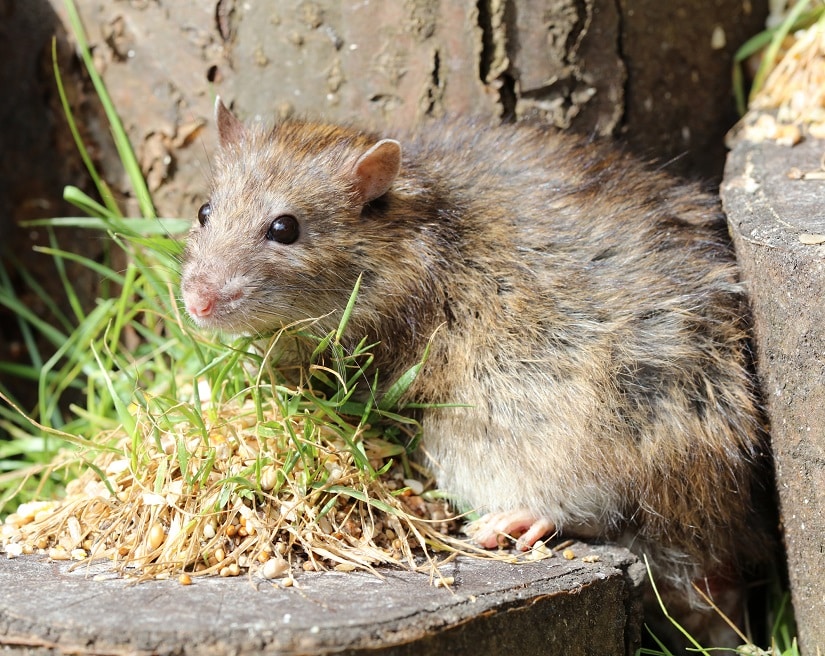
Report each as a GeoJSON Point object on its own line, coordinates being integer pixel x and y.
{"type": "Point", "coordinates": [777, 221]}
{"type": "Point", "coordinates": [551, 606]}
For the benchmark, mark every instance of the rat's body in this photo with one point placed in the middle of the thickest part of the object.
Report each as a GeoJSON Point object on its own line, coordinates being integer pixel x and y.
{"type": "Point", "coordinates": [584, 309]}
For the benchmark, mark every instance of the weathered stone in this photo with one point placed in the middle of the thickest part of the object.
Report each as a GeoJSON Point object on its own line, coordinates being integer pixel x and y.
{"type": "Point", "coordinates": [549, 607]}
{"type": "Point", "coordinates": [777, 217]}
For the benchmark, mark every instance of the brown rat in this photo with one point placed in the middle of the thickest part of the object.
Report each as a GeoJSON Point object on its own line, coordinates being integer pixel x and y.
{"type": "Point", "coordinates": [584, 310]}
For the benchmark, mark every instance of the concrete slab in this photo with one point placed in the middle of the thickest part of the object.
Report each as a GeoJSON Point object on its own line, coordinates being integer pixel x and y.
{"type": "Point", "coordinates": [547, 607]}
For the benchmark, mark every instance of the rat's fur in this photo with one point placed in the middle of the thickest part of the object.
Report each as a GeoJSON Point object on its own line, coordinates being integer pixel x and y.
{"type": "Point", "coordinates": [585, 309]}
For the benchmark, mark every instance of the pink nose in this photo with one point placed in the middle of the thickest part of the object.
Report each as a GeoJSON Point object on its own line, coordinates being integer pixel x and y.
{"type": "Point", "coordinates": [200, 306]}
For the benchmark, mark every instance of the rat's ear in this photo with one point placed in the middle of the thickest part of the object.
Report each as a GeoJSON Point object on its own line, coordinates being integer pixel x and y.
{"type": "Point", "coordinates": [230, 129]}
{"type": "Point", "coordinates": [375, 171]}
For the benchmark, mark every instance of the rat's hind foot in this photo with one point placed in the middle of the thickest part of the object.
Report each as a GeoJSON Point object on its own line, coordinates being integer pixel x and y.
{"type": "Point", "coordinates": [495, 529]}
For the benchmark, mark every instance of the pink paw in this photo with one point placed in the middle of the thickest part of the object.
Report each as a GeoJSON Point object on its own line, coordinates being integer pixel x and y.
{"type": "Point", "coordinates": [495, 529]}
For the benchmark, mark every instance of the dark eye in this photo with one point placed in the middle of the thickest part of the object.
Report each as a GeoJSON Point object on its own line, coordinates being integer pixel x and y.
{"type": "Point", "coordinates": [284, 229]}
{"type": "Point", "coordinates": [203, 213]}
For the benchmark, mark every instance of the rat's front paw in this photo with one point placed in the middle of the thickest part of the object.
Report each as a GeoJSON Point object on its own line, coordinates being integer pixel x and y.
{"type": "Point", "coordinates": [496, 529]}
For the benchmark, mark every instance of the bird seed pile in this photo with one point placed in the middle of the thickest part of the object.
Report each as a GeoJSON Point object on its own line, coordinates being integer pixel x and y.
{"type": "Point", "coordinates": [239, 495]}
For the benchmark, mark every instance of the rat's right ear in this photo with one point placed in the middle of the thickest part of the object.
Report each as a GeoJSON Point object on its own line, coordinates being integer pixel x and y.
{"type": "Point", "coordinates": [230, 129]}
{"type": "Point", "coordinates": [375, 171]}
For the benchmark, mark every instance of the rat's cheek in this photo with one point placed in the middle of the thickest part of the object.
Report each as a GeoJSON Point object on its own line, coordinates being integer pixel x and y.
{"type": "Point", "coordinates": [498, 529]}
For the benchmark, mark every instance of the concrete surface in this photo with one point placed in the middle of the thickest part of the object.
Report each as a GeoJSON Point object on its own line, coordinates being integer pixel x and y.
{"type": "Point", "coordinates": [774, 197]}
{"type": "Point", "coordinates": [550, 607]}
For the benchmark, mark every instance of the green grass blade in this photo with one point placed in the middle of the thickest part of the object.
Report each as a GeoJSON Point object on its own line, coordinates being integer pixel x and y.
{"type": "Point", "coordinates": [360, 496]}
{"type": "Point", "coordinates": [84, 202]}
{"type": "Point", "coordinates": [125, 417]}
{"type": "Point", "coordinates": [91, 264]}
{"type": "Point", "coordinates": [772, 50]}
{"type": "Point", "coordinates": [345, 317]}
{"type": "Point", "coordinates": [102, 188]}
{"type": "Point", "coordinates": [52, 334]}
{"type": "Point", "coordinates": [47, 430]}
{"type": "Point", "coordinates": [124, 148]}
{"type": "Point", "coordinates": [135, 227]}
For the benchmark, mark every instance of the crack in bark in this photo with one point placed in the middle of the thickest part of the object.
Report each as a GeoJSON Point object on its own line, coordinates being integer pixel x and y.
{"type": "Point", "coordinates": [434, 88]}
{"type": "Point", "coordinates": [495, 20]}
{"type": "Point", "coordinates": [620, 53]}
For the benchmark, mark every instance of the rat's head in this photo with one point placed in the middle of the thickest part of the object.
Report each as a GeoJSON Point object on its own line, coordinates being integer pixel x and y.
{"type": "Point", "coordinates": [274, 243]}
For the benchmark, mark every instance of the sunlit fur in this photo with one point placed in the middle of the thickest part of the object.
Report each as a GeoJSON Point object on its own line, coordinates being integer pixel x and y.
{"type": "Point", "coordinates": [585, 308]}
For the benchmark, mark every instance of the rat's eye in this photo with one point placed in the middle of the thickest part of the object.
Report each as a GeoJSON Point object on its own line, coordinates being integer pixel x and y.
{"type": "Point", "coordinates": [203, 213]}
{"type": "Point", "coordinates": [284, 229]}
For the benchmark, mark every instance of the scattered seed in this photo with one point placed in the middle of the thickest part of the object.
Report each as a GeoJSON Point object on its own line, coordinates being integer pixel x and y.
{"type": "Point", "coordinates": [185, 579]}
{"type": "Point", "coordinates": [540, 551]}
{"type": "Point", "coordinates": [417, 487]}
{"type": "Point", "coordinates": [274, 567]}
{"type": "Point", "coordinates": [591, 558]}
{"type": "Point", "coordinates": [269, 478]}
{"type": "Point", "coordinates": [31, 511]}
{"type": "Point", "coordinates": [569, 554]}
{"type": "Point", "coordinates": [817, 130]}
{"type": "Point", "coordinates": [59, 553]}
{"type": "Point", "coordinates": [156, 536]}
{"type": "Point", "coordinates": [14, 549]}
{"type": "Point", "coordinates": [16, 520]}
{"type": "Point", "coordinates": [152, 499]}
{"type": "Point", "coordinates": [444, 581]}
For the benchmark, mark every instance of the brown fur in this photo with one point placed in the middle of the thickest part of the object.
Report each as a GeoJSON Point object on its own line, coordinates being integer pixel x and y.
{"type": "Point", "coordinates": [585, 308]}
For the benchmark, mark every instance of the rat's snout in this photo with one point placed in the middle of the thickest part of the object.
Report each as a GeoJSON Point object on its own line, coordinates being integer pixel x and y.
{"type": "Point", "coordinates": [199, 305]}
{"type": "Point", "coordinates": [200, 296]}
{"type": "Point", "coordinates": [212, 302]}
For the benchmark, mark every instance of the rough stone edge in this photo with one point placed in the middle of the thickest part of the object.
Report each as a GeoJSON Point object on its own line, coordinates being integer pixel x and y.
{"type": "Point", "coordinates": [437, 623]}
{"type": "Point", "coordinates": [769, 207]}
